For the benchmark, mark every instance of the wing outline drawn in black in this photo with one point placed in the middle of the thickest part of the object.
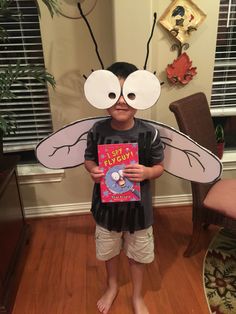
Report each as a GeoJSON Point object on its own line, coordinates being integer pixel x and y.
{"type": "Point", "coordinates": [184, 158]}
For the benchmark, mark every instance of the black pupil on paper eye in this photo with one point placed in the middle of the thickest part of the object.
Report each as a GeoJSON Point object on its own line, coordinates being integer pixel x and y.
{"type": "Point", "coordinates": [112, 95]}
{"type": "Point", "coordinates": [131, 96]}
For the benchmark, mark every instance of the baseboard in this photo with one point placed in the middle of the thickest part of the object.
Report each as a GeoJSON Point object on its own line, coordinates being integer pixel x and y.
{"type": "Point", "coordinates": [84, 208]}
{"type": "Point", "coordinates": [57, 210]}
{"type": "Point", "coordinates": [172, 200]}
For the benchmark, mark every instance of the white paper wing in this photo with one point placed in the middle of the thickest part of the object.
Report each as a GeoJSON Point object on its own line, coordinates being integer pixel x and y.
{"type": "Point", "coordinates": [185, 158]}
{"type": "Point", "coordinates": [65, 148]}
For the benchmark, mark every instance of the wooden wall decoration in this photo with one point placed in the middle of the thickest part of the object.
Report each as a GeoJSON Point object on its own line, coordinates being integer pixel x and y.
{"type": "Point", "coordinates": [181, 18]}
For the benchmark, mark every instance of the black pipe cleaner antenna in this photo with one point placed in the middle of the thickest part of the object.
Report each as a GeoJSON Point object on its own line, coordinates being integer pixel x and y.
{"type": "Point", "coordinates": [149, 40]}
{"type": "Point", "coordinates": [91, 33]}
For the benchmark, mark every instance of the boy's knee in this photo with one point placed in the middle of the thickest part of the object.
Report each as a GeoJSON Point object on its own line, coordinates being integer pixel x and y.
{"type": "Point", "coordinates": [139, 247]}
{"type": "Point", "coordinates": [108, 243]}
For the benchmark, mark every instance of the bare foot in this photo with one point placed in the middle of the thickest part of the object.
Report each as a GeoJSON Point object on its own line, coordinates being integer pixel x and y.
{"type": "Point", "coordinates": [139, 306]}
{"type": "Point", "coordinates": [106, 300]}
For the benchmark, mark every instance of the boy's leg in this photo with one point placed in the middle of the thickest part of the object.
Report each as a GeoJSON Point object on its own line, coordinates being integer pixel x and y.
{"type": "Point", "coordinates": [137, 270]}
{"type": "Point", "coordinates": [108, 246]}
{"type": "Point", "coordinates": [105, 302]}
{"type": "Point", "coordinates": [139, 247]}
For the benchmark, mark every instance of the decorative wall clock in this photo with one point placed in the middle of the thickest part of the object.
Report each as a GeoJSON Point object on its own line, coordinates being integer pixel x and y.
{"type": "Point", "coordinates": [69, 8]}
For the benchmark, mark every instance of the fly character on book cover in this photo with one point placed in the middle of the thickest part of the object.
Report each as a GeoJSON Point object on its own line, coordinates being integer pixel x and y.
{"type": "Point", "coordinates": [112, 160]}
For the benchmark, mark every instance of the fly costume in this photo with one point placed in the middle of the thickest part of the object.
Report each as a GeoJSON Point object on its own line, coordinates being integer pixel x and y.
{"type": "Point", "coordinates": [125, 216]}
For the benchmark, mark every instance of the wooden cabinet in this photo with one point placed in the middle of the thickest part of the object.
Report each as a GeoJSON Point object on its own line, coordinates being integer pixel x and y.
{"type": "Point", "coordinates": [14, 234]}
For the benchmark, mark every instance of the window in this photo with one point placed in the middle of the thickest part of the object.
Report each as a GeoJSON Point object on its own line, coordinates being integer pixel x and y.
{"type": "Point", "coordinates": [223, 99]}
{"type": "Point", "coordinates": [30, 107]}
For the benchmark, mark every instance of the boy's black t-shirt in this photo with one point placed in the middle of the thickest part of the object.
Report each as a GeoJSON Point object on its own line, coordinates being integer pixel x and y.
{"type": "Point", "coordinates": [125, 216]}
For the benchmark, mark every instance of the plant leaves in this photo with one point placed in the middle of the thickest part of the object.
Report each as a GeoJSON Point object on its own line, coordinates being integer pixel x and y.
{"type": "Point", "coordinates": [52, 6]}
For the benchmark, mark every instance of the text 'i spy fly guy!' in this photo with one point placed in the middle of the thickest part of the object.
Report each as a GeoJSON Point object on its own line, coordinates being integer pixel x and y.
{"type": "Point", "coordinates": [117, 156]}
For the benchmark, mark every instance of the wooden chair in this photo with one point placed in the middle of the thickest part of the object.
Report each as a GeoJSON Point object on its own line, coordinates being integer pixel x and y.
{"type": "Point", "coordinates": [212, 203]}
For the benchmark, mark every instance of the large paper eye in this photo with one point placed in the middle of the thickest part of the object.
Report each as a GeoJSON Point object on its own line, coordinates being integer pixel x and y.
{"type": "Point", "coordinates": [141, 89]}
{"type": "Point", "coordinates": [102, 89]}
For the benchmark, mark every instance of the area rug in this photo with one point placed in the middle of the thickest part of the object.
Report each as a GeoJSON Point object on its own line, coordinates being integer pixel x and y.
{"type": "Point", "coordinates": [220, 273]}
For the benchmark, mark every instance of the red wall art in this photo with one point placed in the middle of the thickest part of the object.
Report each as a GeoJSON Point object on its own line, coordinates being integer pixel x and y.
{"type": "Point", "coordinates": [181, 70]}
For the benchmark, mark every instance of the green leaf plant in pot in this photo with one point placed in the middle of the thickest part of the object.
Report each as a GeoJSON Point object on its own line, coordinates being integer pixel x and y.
{"type": "Point", "coordinates": [7, 126]}
{"type": "Point", "coordinates": [15, 73]}
{"type": "Point", "coordinates": [220, 139]}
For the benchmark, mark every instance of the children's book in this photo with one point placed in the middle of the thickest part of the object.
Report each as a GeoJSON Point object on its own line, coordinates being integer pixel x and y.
{"type": "Point", "coordinates": [112, 160]}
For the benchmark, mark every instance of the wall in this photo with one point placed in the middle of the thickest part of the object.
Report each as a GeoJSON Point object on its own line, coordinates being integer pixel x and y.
{"type": "Point", "coordinates": [132, 47]}
{"type": "Point", "coordinates": [121, 28]}
{"type": "Point", "coordinates": [70, 53]}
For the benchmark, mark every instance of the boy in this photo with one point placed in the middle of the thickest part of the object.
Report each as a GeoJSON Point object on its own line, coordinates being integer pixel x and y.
{"type": "Point", "coordinates": [126, 225]}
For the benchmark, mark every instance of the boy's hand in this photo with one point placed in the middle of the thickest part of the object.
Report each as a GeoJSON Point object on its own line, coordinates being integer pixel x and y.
{"type": "Point", "coordinates": [96, 174]}
{"type": "Point", "coordinates": [136, 172]}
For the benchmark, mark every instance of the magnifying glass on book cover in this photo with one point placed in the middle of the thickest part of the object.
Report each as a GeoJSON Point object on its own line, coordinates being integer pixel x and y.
{"type": "Point", "coordinates": [117, 183]}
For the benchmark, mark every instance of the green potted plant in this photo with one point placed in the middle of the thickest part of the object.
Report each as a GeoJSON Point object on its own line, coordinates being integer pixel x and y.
{"type": "Point", "coordinates": [7, 126]}
{"type": "Point", "coordinates": [14, 73]}
{"type": "Point", "coordinates": [220, 139]}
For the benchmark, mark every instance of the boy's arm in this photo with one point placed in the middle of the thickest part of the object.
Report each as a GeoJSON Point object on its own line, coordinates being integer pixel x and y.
{"type": "Point", "coordinates": [95, 173]}
{"type": "Point", "coordinates": [138, 173]}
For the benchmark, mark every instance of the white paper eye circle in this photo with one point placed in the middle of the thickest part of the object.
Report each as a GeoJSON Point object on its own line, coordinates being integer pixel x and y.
{"type": "Point", "coordinates": [102, 89]}
{"type": "Point", "coordinates": [115, 176]}
{"type": "Point", "coordinates": [141, 89]}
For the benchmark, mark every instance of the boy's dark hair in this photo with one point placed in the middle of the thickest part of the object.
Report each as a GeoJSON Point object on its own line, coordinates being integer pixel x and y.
{"type": "Point", "coordinates": [122, 69]}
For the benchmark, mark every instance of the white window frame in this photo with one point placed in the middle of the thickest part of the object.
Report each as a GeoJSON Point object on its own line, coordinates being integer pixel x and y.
{"type": "Point", "coordinates": [223, 98]}
{"type": "Point", "coordinates": [30, 108]}
{"type": "Point", "coordinates": [221, 60]}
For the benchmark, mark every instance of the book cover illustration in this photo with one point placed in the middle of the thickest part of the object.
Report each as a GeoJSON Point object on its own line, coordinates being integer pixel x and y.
{"type": "Point", "coordinates": [112, 160]}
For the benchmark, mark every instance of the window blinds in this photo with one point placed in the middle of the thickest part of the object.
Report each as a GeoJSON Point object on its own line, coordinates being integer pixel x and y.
{"type": "Point", "coordinates": [30, 106]}
{"type": "Point", "coordinates": [223, 99]}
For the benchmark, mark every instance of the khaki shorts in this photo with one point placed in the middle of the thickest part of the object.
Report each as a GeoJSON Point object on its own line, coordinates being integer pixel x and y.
{"type": "Point", "coordinates": [138, 246]}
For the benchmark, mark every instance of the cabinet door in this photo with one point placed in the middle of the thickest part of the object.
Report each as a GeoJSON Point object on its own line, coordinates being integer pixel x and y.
{"type": "Point", "coordinates": [11, 225]}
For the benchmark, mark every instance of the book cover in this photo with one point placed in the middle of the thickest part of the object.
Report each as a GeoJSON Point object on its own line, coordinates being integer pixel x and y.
{"type": "Point", "coordinates": [112, 160]}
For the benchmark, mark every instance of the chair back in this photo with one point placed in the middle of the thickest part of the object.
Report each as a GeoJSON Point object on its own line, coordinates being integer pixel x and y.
{"type": "Point", "coordinates": [193, 117]}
